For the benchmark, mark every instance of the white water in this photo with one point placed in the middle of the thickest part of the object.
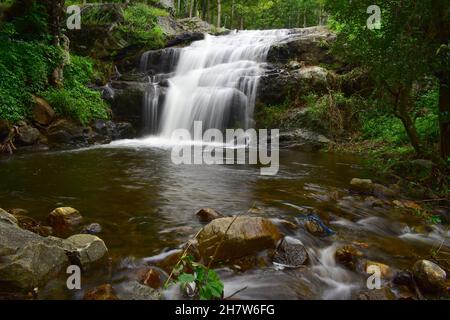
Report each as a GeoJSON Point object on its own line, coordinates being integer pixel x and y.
{"type": "Point", "coordinates": [216, 81]}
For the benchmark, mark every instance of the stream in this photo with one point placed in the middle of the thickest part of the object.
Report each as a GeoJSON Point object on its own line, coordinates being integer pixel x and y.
{"type": "Point", "coordinates": [146, 206]}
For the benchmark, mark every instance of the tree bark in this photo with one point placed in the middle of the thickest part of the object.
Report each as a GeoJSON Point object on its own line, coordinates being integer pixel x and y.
{"type": "Point", "coordinates": [219, 13]}
{"type": "Point", "coordinates": [444, 119]}
{"type": "Point", "coordinates": [402, 111]}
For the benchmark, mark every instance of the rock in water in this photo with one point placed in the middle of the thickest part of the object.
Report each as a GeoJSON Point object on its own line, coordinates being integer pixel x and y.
{"type": "Point", "coordinates": [429, 276]}
{"type": "Point", "coordinates": [365, 185]}
{"type": "Point", "coordinates": [291, 253]}
{"type": "Point", "coordinates": [153, 278]}
{"type": "Point", "coordinates": [93, 228]}
{"type": "Point", "coordinates": [42, 112]}
{"type": "Point", "coordinates": [246, 236]}
{"type": "Point", "coordinates": [348, 256]}
{"type": "Point", "coordinates": [385, 270]}
{"type": "Point", "coordinates": [103, 292]}
{"type": "Point", "coordinates": [208, 215]}
{"type": "Point", "coordinates": [64, 220]}
{"type": "Point", "coordinates": [89, 248]}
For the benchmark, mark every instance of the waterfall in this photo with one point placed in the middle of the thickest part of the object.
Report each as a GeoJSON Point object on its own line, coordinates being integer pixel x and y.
{"type": "Point", "coordinates": [151, 106]}
{"type": "Point", "coordinates": [213, 80]}
{"type": "Point", "coordinates": [216, 80]}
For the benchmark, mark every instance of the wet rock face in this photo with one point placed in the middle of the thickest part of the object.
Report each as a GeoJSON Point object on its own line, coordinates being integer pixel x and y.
{"type": "Point", "coordinates": [429, 276]}
{"type": "Point", "coordinates": [311, 46]}
{"type": "Point", "coordinates": [246, 236]}
{"type": "Point", "coordinates": [127, 102]}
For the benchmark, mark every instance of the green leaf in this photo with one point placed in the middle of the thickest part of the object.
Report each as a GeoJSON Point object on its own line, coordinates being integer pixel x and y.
{"type": "Point", "coordinates": [186, 278]}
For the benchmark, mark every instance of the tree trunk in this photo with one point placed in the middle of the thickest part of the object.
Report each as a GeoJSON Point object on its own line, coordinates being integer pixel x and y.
{"type": "Point", "coordinates": [233, 7]}
{"type": "Point", "coordinates": [444, 118]}
{"type": "Point", "coordinates": [219, 13]}
{"type": "Point", "coordinates": [304, 18]}
{"type": "Point", "coordinates": [403, 104]}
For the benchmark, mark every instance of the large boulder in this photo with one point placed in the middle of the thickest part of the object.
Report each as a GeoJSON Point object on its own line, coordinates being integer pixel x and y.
{"type": "Point", "coordinates": [237, 238]}
{"type": "Point", "coordinates": [28, 135]}
{"type": "Point", "coordinates": [429, 276]}
{"type": "Point", "coordinates": [28, 260]}
{"type": "Point", "coordinates": [42, 111]}
{"type": "Point", "coordinates": [66, 133]}
{"type": "Point", "coordinates": [7, 217]}
{"type": "Point", "coordinates": [304, 140]}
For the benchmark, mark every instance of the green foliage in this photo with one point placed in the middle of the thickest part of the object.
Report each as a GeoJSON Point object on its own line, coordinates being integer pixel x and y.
{"type": "Point", "coordinates": [383, 126]}
{"type": "Point", "coordinates": [207, 283]}
{"type": "Point", "coordinates": [25, 68]}
{"type": "Point", "coordinates": [76, 100]}
{"type": "Point", "coordinates": [335, 113]}
{"type": "Point", "coordinates": [30, 24]}
{"type": "Point", "coordinates": [140, 27]}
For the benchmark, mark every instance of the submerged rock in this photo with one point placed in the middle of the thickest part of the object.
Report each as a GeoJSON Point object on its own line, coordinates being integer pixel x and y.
{"type": "Point", "coordinates": [208, 215]}
{"type": "Point", "coordinates": [152, 277]}
{"type": "Point", "coordinates": [348, 256]}
{"type": "Point", "coordinates": [429, 276]}
{"type": "Point", "coordinates": [103, 292]}
{"type": "Point", "coordinates": [362, 184]}
{"type": "Point", "coordinates": [93, 228]}
{"type": "Point", "coordinates": [380, 294]}
{"type": "Point", "coordinates": [237, 238]}
{"type": "Point", "coordinates": [64, 220]}
{"type": "Point", "coordinates": [32, 225]}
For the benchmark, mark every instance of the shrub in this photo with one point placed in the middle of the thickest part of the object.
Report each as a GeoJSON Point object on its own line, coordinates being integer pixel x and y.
{"type": "Point", "coordinates": [140, 27]}
{"type": "Point", "coordinates": [79, 103]}
{"type": "Point", "coordinates": [25, 68]}
{"type": "Point", "coordinates": [76, 100]}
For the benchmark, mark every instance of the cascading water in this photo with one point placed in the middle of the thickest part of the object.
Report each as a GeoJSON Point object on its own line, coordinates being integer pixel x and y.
{"type": "Point", "coordinates": [215, 82]}
{"type": "Point", "coordinates": [151, 106]}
